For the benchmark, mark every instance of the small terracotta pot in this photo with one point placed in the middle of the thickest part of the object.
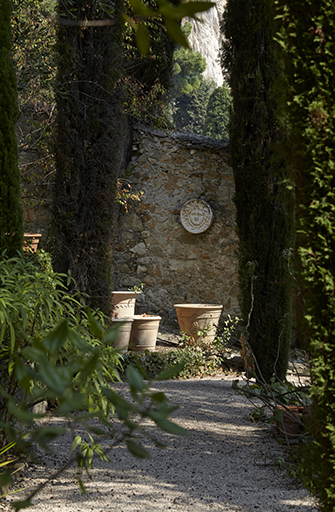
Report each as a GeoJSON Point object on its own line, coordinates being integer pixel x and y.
{"type": "Point", "coordinates": [291, 426]}
{"type": "Point", "coordinates": [31, 241]}
{"type": "Point", "coordinates": [124, 329]}
{"type": "Point", "coordinates": [144, 333]}
{"type": "Point", "coordinates": [123, 303]}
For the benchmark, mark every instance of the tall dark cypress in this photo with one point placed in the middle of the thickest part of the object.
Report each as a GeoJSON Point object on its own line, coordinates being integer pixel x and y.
{"type": "Point", "coordinates": [11, 214]}
{"type": "Point", "coordinates": [89, 129]}
{"type": "Point", "coordinates": [264, 212]}
{"type": "Point", "coordinates": [307, 30]}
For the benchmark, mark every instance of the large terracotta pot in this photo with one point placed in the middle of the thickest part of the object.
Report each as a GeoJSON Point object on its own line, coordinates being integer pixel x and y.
{"type": "Point", "coordinates": [193, 318]}
{"type": "Point", "coordinates": [123, 303]}
{"type": "Point", "coordinates": [124, 329]}
{"type": "Point", "coordinates": [144, 333]}
{"type": "Point", "coordinates": [31, 241]}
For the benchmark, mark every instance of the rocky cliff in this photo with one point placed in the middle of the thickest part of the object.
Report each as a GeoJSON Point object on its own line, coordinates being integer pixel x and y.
{"type": "Point", "coordinates": [206, 39]}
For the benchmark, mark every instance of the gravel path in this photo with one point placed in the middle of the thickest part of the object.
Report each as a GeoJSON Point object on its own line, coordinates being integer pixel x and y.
{"type": "Point", "coordinates": [225, 463]}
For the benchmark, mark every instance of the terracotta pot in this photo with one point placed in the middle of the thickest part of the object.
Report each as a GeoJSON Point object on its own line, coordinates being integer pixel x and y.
{"type": "Point", "coordinates": [144, 333]}
{"type": "Point", "coordinates": [31, 241]}
{"type": "Point", "coordinates": [292, 425]}
{"type": "Point", "coordinates": [124, 329]}
{"type": "Point", "coordinates": [196, 317]}
{"type": "Point", "coordinates": [123, 303]}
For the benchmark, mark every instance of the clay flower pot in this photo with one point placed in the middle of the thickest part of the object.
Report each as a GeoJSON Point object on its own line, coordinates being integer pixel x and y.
{"type": "Point", "coordinates": [31, 241]}
{"type": "Point", "coordinates": [196, 317]}
{"type": "Point", "coordinates": [144, 333]}
{"type": "Point", "coordinates": [123, 303]}
{"type": "Point", "coordinates": [124, 326]}
{"type": "Point", "coordinates": [291, 424]}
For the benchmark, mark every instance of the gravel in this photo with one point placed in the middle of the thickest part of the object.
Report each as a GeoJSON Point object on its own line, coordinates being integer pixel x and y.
{"type": "Point", "coordinates": [225, 463]}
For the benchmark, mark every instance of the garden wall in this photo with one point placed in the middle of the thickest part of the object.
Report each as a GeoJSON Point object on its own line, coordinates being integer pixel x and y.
{"type": "Point", "coordinates": [154, 248]}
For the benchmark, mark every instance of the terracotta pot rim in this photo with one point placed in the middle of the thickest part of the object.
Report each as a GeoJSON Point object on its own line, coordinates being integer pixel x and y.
{"type": "Point", "coordinates": [35, 235]}
{"type": "Point", "coordinates": [147, 317]}
{"type": "Point", "coordinates": [123, 319]}
{"type": "Point", "coordinates": [199, 306]}
{"type": "Point", "coordinates": [129, 292]}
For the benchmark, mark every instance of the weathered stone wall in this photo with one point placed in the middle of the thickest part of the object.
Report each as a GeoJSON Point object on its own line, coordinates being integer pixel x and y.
{"type": "Point", "coordinates": [152, 246]}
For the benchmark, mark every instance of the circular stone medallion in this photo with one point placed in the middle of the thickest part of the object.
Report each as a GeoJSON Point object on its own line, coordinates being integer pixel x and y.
{"type": "Point", "coordinates": [196, 216]}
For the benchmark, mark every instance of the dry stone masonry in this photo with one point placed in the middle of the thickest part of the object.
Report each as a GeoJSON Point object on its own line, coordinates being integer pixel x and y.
{"type": "Point", "coordinates": [154, 248]}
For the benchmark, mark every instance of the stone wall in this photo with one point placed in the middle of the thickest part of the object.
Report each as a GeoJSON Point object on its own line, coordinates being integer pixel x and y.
{"type": "Point", "coordinates": [153, 248]}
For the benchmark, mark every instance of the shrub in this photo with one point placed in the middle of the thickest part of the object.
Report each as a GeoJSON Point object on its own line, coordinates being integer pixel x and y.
{"type": "Point", "coordinates": [53, 349]}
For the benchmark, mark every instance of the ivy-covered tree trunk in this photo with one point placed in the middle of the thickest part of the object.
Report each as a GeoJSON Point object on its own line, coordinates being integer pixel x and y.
{"type": "Point", "coordinates": [308, 39]}
{"type": "Point", "coordinates": [264, 212]}
{"type": "Point", "coordinates": [89, 134]}
{"type": "Point", "coordinates": [11, 214]}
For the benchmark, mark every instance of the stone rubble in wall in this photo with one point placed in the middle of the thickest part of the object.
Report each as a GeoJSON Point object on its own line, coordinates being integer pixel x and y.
{"type": "Point", "coordinates": [153, 248]}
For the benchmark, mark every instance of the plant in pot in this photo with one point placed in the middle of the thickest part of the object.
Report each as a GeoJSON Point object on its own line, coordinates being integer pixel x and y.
{"type": "Point", "coordinates": [123, 302]}
{"type": "Point", "coordinates": [31, 241]}
{"type": "Point", "coordinates": [194, 318]}
{"type": "Point", "coordinates": [289, 404]}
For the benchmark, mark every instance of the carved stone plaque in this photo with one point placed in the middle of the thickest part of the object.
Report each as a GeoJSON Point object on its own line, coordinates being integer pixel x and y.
{"type": "Point", "coordinates": [196, 216]}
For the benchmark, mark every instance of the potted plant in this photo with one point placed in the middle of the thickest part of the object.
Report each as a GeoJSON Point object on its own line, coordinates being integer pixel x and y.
{"type": "Point", "coordinates": [193, 318]}
{"type": "Point", "coordinates": [289, 404]}
{"type": "Point", "coordinates": [123, 302]}
{"type": "Point", "coordinates": [31, 241]}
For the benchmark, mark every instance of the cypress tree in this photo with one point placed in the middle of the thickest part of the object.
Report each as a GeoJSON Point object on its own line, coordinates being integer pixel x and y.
{"type": "Point", "coordinates": [11, 214]}
{"type": "Point", "coordinates": [264, 213]}
{"type": "Point", "coordinates": [217, 113]}
{"type": "Point", "coordinates": [307, 38]}
{"type": "Point", "coordinates": [88, 156]}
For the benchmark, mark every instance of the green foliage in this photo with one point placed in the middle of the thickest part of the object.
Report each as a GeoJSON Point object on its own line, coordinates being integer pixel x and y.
{"type": "Point", "coordinates": [217, 113]}
{"type": "Point", "coordinates": [263, 201]}
{"type": "Point", "coordinates": [11, 215]}
{"type": "Point", "coordinates": [34, 36]}
{"type": "Point", "coordinates": [196, 360]}
{"type": "Point", "coordinates": [52, 349]}
{"type": "Point", "coordinates": [171, 13]}
{"type": "Point", "coordinates": [190, 108]}
{"type": "Point", "coordinates": [33, 299]}
{"type": "Point", "coordinates": [188, 66]}
{"type": "Point", "coordinates": [307, 40]}
{"type": "Point", "coordinates": [190, 91]}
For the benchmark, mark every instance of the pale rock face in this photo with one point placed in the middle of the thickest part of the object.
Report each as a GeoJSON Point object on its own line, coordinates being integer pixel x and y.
{"type": "Point", "coordinates": [206, 39]}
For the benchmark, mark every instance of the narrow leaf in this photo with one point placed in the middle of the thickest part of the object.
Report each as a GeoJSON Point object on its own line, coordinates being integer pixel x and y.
{"type": "Point", "coordinates": [56, 339]}
{"type": "Point", "coordinates": [137, 450]}
{"type": "Point", "coordinates": [170, 427]}
{"type": "Point", "coordinates": [134, 378]}
{"type": "Point", "coordinates": [142, 39]}
{"type": "Point", "coordinates": [170, 372]}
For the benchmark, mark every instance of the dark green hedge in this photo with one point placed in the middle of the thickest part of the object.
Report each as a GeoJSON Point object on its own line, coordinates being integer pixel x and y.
{"type": "Point", "coordinates": [308, 40]}
{"type": "Point", "coordinates": [11, 213]}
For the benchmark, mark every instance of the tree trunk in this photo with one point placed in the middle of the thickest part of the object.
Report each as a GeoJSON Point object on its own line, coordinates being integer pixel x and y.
{"type": "Point", "coordinates": [88, 147]}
